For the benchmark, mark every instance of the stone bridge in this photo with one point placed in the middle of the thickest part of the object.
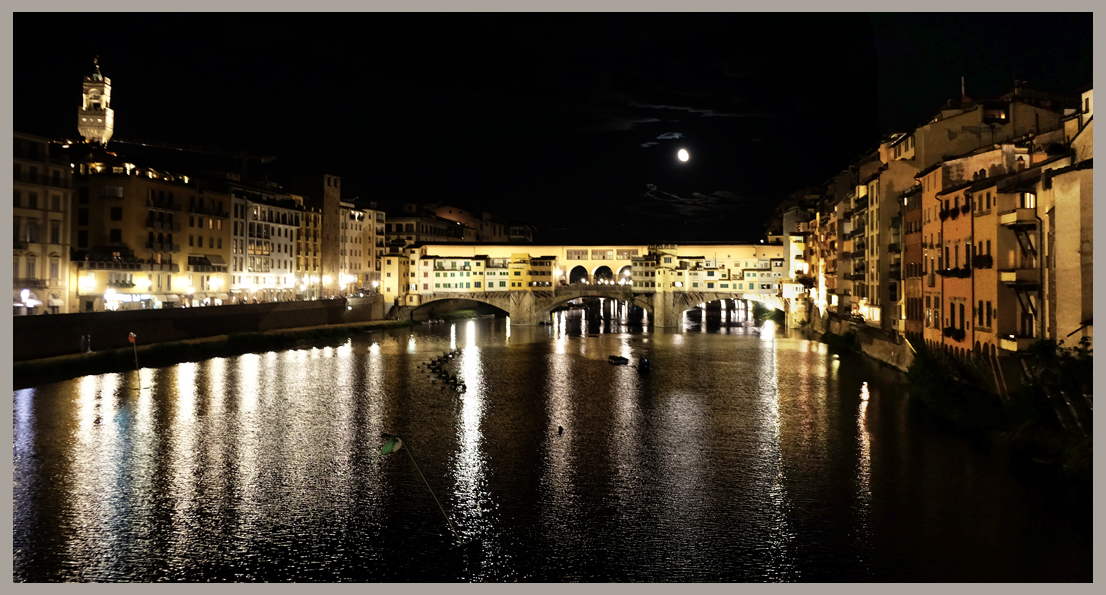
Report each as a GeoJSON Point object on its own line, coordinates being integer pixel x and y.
{"type": "Point", "coordinates": [665, 309]}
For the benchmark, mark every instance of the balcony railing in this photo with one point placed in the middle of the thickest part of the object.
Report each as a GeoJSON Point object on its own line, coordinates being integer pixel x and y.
{"type": "Point", "coordinates": [116, 265]}
{"type": "Point", "coordinates": [203, 268]}
{"type": "Point", "coordinates": [1018, 218]}
{"type": "Point", "coordinates": [214, 212]}
{"type": "Point", "coordinates": [163, 205]}
{"type": "Point", "coordinates": [43, 180]}
{"type": "Point", "coordinates": [983, 261]}
{"type": "Point", "coordinates": [959, 273]}
{"type": "Point", "coordinates": [894, 247]}
{"type": "Point", "coordinates": [1026, 277]}
{"type": "Point", "coordinates": [162, 225]}
{"type": "Point", "coordinates": [1015, 342]}
{"type": "Point", "coordinates": [162, 247]}
{"type": "Point", "coordinates": [29, 282]}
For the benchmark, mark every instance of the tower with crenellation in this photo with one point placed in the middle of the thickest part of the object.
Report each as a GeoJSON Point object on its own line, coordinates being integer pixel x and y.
{"type": "Point", "coordinates": [95, 118]}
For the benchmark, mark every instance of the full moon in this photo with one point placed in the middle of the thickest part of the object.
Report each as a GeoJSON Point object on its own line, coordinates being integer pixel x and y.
{"type": "Point", "coordinates": [683, 155]}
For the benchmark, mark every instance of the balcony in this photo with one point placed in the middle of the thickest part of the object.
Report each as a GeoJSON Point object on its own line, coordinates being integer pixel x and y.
{"type": "Point", "coordinates": [214, 212]}
{"type": "Point", "coordinates": [121, 284]}
{"type": "Point", "coordinates": [894, 247]}
{"type": "Point", "coordinates": [854, 277]}
{"type": "Point", "coordinates": [117, 265]}
{"type": "Point", "coordinates": [1018, 218]}
{"type": "Point", "coordinates": [203, 268]}
{"type": "Point", "coordinates": [162, 247]}
{"type": "Point", "coordinates": [982, 261]}
{"type": "Point", "coordinates": [1014, 342]}
{"type": "Point", "coordinates": [858, 254]}
{"type": "Point", "coordinates": [896, 222]}
{"type": "Point", "coordinates": [26, 282]}
{"type": "Point", "coordinates": [162, 205]}
{"type": "Point", "coordinates": [42, 179]}
{"type": "Point", "coordinates": [1019, 277]}
{"type": "Point", "coordinates": [860, 204]}
{"type": "Point", "coordinates": [956, 273]}
{"type": "Point", "coordinates": [162, 225]}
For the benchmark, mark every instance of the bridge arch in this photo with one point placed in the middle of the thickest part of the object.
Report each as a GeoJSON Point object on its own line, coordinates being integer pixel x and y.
{"type": "Point", "coordinates": [499, 300]}
{"type": "Point", "coordinates": [578, 274]}
{"type": "Point", "coordinates": [602, 273]}
{"type": "Point", "coordinates": [547, 306]}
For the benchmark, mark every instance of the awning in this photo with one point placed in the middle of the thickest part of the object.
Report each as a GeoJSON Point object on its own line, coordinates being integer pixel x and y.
{"type": "Point", "coordinates": [56, 302]}
{"type": "Point", "coordinates": [220, 296]}
{"type": "Point", "coordinates": [172, 297]}
{"type": "Point", "coordinates": [215, 259]}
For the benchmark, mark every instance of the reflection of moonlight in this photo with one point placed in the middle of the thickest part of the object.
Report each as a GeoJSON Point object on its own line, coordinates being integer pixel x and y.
{"type": "Point", "coordinates": [683, 155]}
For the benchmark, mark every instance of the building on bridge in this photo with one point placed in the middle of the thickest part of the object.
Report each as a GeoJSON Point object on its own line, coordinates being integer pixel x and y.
{"type": "Point", "coordinates": [699, 273]}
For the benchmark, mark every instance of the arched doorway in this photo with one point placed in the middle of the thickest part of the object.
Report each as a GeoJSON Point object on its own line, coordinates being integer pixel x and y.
{"type": "Point", "coordinates": [603, 274]}
{"type": "Point", "coordinates": [578, 274]}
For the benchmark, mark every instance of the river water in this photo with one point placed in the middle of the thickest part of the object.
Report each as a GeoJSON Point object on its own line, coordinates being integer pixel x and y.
{"type": "Point", "coordinates": [744, 454]}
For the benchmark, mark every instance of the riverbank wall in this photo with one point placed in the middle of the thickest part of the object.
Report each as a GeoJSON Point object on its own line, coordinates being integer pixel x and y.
{"type": "Point", "coordinates": [877, 344]}
{"type": "Point", "coordinates": [38, 337]}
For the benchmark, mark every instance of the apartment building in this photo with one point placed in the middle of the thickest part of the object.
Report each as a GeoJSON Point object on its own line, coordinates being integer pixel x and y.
{"type": "Point", "coordinates": [138, 238]}
{"type": "Point", "coordinates": [42, 199]}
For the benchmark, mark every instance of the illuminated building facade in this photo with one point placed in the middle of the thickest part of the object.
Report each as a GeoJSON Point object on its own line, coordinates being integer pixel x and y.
{"type": "Point", "coordinates": [42, 198]}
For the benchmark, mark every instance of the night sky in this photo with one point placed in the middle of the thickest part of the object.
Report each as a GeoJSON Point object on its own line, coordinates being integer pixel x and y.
{"type": "Point", "coordinates": [568, 122]}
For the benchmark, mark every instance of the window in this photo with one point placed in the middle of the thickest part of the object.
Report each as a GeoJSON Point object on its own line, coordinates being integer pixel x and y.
{"type": "Point", "coordinates": [82, 238]}
{"type": "Point", "coordinates": [55, 232]}
{"type": "Point", "coordinates": [54, 268]}
{"type": "Point", "coordinates": [503, 284]}
{"type": "Point", "coordinates": [476, 284]}
{"type": "Point", "coordinates": [116, 213]}
{"type": "Point", "coordinates": [191, 240]}
{"type": "Point", "coordinates": [220, 243]}
{"type": "Point", "coordinates": [989, 311]}
{"type": "Point", "coordinates": [55, 203]}
{"type": "Point", "coordinates": [31, 268]}
{"type": "Point", "coordinates": [32, 200]}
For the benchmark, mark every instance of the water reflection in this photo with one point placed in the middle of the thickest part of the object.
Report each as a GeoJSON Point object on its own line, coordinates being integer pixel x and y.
{"type": "Point", "coordinates": [736, 458]}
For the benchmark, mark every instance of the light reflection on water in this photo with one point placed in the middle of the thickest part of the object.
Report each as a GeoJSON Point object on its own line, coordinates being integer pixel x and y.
{"type": "Point", "coordinates": [738, 457]}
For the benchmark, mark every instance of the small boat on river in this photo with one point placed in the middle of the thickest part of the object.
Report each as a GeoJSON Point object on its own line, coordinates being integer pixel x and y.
{"type": "Point", "coordinates": [618, 360]}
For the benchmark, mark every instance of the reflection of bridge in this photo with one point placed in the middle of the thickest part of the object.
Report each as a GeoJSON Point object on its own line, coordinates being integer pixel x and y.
{"type": "Point", "coordinates": [665, 309]}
